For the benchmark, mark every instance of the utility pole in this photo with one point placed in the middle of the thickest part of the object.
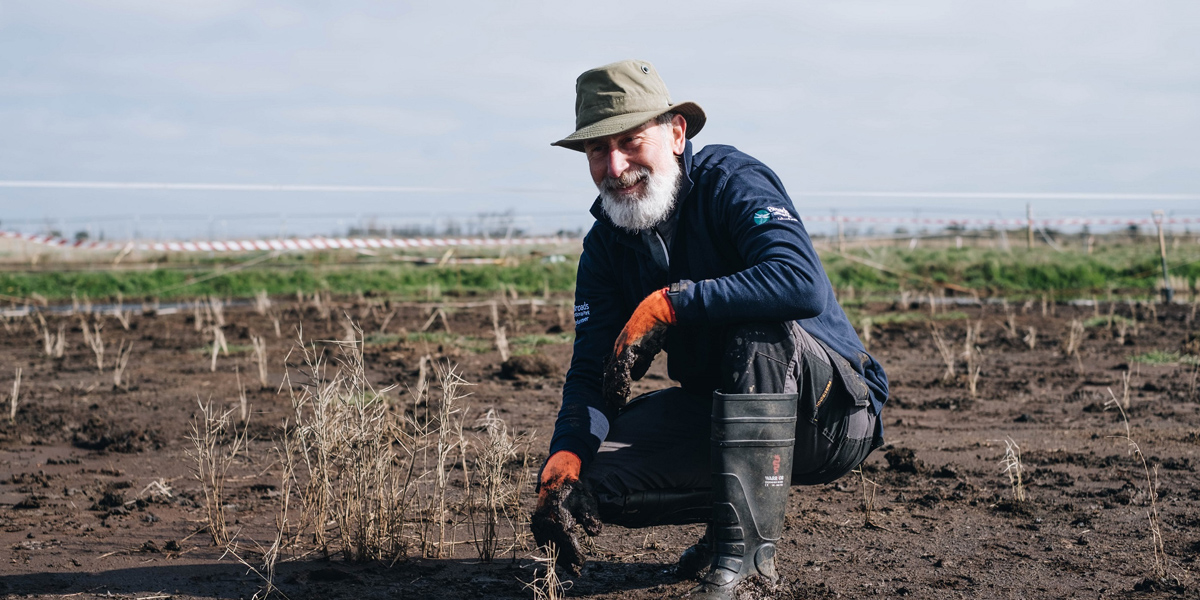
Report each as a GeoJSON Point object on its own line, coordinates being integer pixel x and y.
{"type": "Point", "coordinates": [1029, 225]}
{"type": "Point", "coordinates": [841, 236]}
{"type": "Point", "coordinates": [1168, 294]}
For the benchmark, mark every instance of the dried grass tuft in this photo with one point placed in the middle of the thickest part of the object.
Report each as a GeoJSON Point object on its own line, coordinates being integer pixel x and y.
{"type": "Point", "coordinates": [118, 372]}
{"type": "Point", "coordinates": [15, 398]}
{"type": "Point", "coordinates": [212, 455]}
{"type": "Point", "coordinates": [546, 584]}
{"type": "Point", "coordinates": [1151, 475]}
{"type": "Point", "coordinates": [947, 353]}
{"type": "Point", "coordinates": [1013, 468]}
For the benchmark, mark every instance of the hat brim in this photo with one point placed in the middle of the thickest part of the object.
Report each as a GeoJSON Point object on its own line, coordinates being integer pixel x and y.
{"type": "Point", "coordinates": [622, 123]}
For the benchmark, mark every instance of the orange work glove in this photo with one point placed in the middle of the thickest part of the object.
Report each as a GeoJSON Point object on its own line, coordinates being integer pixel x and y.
{"type": "Point", "coordinates": [637, 345]}
{"type": "Point", "coordinates": [564, 502]}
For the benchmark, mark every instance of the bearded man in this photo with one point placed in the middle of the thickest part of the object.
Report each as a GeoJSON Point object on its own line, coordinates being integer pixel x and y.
{"type": "Point", "coordinates": [704, 256]}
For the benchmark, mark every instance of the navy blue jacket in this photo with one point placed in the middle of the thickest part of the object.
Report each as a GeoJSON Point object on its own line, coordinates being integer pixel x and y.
{"type": "Point", "coordinates": [739, 241]}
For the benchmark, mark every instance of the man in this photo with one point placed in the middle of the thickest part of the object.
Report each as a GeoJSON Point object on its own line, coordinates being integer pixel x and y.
{"type": "Point", "coordinates": [704, 256]}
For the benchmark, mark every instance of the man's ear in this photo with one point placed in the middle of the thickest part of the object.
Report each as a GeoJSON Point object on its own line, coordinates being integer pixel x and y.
{"type": "Point", "coordinates": [678, 134]}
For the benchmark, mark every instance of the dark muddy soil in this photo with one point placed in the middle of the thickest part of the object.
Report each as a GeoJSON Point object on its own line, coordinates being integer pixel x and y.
{"type": "Point", "coordinates": [82, 517]}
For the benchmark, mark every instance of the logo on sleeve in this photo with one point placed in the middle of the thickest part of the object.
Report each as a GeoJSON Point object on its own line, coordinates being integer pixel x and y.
{"type": "Point", "coordinates": [772, 213]}
{"type": "Point", "coordinates": [582, 313]}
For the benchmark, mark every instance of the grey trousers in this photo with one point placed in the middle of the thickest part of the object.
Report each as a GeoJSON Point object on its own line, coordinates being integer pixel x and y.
{"type": "Point", "coordinates": [654, 467]}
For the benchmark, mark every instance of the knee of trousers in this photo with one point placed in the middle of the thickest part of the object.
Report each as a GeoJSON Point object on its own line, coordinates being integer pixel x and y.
{"type": "Point", "coordinates": [759, 357]}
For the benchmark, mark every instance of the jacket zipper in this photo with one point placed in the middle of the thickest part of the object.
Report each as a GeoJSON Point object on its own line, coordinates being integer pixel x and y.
{"type": "Point", "coordinates": [666, 253]}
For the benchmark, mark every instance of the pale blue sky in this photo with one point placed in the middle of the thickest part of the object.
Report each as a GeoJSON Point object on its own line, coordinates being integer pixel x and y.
{"type": "Point", "coordinates": [937, 96]}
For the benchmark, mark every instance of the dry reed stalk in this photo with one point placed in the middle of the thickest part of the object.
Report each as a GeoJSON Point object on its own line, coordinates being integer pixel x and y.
{"type": "Point", "coordinates": [275, 323]}
{"type": "Point", "coordinates": [123, 317]}
{"type": "Point", "coordinates": [260, 358]}
{"type": "Point", "coordinates": [447, 435]}
{"type": "Point", "coordinates": [357, 462]}
{"type": "Point", "coordinates": [501, 339]}
{"type": "Point", "coordinates": [95, 341]}
{"type": "Point", "coordinates": [197, 317]}
{"type": "Point", "coordinates": [15, 398]}
{"type": "Point", "coordinates": [268, 578]}
{"type": "Point", "coordinates": [217, 308]}
{"type": "Point", "coordinates": [243, 402]}
{"type": "Point", "coordinates": [52, 344]}
{"type": "Point", "coordinates": [218, 345]}
{"type": "Point", "coordinates": [1160, 553]}
{"type": "Point", "coordinates": [1125, 388]}
{"type": "Point", "coordinates": [547, 586]}
{"type": "Point", "coordinates": [349, 334]}
{"type": "Point", "coordinates": [262, 302]}
{"type": "Point", "coordinates": [121, 362]}
{"type": "Point", "coordinates": [321, 302]}
{"type": "Point", "coordinates": [1074, 338]}
{"type": "Point", "coordinates": [1045, 302]}
{"type": "Point", "coordinates": [972, 339]}
{"type": "Point", "coordinates": [866, 333]}
{"type": "Point", "coordinates": [387, 320]}
{"type": "Point", "coordinates": [974, 369]}
{"type": "Point", "coordinates": [945, 351]}
{"type": "Point", "coordinates": [868, 493]}
{"type": "Point", "coordinates": [422, 387]}
{"type": "Point", "coordinates": [59, 345]}
{"type": "Point", "coordinates": [495, 483]}
{"type": "Point", "coordinates": [1031, 337]}
{"type": "Point", "coordinates": [1013, 468]}
{"type": "Point", "coordinates": [1122, 329]}
{"type": "Point", "coordinates": [211, 463]}
{"type": "Point", "coordinates": [1010, 322]}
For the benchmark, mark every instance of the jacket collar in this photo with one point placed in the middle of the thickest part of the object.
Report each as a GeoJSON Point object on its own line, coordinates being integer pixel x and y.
{"type": "Point", "coordinates": [685, 190]}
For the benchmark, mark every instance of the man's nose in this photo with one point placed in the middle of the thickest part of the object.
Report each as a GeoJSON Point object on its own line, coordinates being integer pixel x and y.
{"type": "Point", "coordinates": [617, 163]}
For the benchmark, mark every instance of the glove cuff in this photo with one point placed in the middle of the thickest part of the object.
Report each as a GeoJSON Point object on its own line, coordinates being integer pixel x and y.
{"type": "Point", "coordinates": [562, 466]}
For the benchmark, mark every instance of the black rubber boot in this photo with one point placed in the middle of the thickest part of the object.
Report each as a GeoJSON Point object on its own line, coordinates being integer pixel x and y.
{"type": "Point", "coordinates": [697, 557]}
{"type": "Point", "coordinates": [752, 440]}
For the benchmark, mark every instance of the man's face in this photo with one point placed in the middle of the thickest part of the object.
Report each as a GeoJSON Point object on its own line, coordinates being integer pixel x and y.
{"type": "Point", "coordinates": [637, 172]}
{"type": "Point", "coordinates": [650, 146]}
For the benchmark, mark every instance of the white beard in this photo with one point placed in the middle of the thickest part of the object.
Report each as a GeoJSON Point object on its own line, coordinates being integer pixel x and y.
{"type": "Point", "coordinates": [652, 206]}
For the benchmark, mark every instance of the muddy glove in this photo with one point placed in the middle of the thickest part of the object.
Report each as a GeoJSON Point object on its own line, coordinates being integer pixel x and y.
{"type": "Point", "coordinates": [564, 505]}
{"type": "Point", "coordinates": [637, 345]}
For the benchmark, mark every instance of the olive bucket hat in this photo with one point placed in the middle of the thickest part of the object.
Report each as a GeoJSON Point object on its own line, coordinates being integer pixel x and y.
{"type": "Point", "coordinates": [622, 96]}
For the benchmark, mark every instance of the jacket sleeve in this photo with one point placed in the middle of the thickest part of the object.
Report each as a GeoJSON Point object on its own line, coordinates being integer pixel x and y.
{"type": "Point", "coordinates": [583, 420]}
{"type": "Point", "coordinates": [784, 279]}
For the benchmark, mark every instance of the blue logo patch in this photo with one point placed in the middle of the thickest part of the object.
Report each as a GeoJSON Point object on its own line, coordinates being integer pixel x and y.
{"type": "Point", "coordinates": [761, 216]}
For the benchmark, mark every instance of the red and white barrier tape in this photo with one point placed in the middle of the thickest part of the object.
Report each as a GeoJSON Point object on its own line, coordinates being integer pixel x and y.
{"type": "Point", "coordinates": [1000, 222]}
{"type": "Point", "coordinates": [323, 243]}
{"type": "Point", "coordinates": [297, 244]}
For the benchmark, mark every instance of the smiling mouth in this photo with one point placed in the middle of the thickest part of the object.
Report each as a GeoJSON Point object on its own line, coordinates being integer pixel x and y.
{"type": "Point", "coordinates": [626, 183]}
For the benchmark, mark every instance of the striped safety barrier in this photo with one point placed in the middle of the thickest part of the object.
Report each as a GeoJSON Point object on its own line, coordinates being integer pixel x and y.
{"type": "Point", "coordinates": [293, 244]}
{"type": "Point", "coordinates": [325, 243]}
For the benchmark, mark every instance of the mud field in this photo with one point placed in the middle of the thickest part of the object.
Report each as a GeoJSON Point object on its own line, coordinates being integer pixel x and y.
{"type": "Point", "coordinates": [97, 498]}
